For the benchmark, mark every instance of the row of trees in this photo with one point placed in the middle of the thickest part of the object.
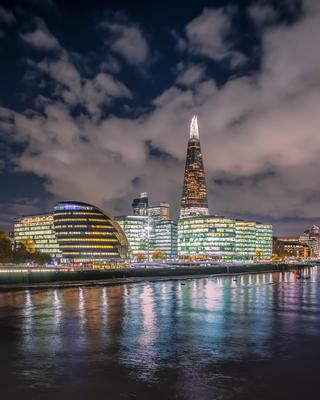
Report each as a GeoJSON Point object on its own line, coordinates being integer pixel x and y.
{"type": "Point", "coordinates": [155, 255]}
{"type": "Point", "coordinates": [22, 253]}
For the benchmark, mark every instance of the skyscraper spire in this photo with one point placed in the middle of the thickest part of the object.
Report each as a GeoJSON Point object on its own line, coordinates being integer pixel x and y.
{"type": "Point", "coordinates": [194, 194]}
{"type": "Point", "coordinates": [194, 130]}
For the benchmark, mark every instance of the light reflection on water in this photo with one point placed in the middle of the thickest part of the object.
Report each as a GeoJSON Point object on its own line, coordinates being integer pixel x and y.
{"type": "Point", "coordinates": [220, 337]}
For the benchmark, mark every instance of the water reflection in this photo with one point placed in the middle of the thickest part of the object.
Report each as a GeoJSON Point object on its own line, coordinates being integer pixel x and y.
{"type": "Point", "coordinates": [184, 336]}
{"type": "Point", "coordinates": [27, 321]}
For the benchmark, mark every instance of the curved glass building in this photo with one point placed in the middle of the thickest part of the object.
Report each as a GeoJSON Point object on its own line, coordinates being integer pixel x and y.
{"type": "Point", "coordinates": [86, 234]}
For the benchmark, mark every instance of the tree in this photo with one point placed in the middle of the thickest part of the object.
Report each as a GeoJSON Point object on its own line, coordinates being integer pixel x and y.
{"type": "Point", "coordinates": [6, 253]}
{"type": "Point", "coordinates": [140, 256]}
{"type": "Point", "coordinates": [159, 255]}
{"type": "Point", "coordinates": [258, 255]}
{"type": "Point", "coordinates": [30, 245]}
{"type": "Point", "coordinates": [21, 255]}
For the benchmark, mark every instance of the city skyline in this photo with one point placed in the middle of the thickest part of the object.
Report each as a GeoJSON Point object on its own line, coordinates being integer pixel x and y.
{"type": "Point", "coordinates": [96, 108]}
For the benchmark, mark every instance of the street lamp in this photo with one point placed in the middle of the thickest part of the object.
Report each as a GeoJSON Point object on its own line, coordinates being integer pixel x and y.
{"type": "Point", "coordinates": [148, 230]}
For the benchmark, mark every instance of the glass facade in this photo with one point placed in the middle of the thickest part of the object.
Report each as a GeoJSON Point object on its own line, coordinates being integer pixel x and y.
{"type": "Point", "coordinates": [166, 238]}
{"type": "Point", "coordinates": [194, 194]}
{"type": "Point", "coordinates": [159, 212]}
{"type": "Point", "coordinates": [264, 236]}
{"type": "Point", "coordinates": [142, 232]}
{"type": "Point", "coordinates": [206, 237]}
{"type": "Point", "coordinates": [135, 229]}
{"type": "Point", "coordinates": [140, 205]}
{"type": "Point", "coordinates": [223, 238]}
{"type": "Point", "coordinates": [245, 240]}
{"type": "Point", "coordinates": [40, 229]}
{"type": "Point", "coordinates": [86, 234]}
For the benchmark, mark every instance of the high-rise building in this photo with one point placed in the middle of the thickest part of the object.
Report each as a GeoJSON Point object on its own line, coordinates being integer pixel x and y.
{"type": "Point", "coordinates": [40, 230]}
{"type": "Point", "coordinates": [166, 238]}
{"type": "Point", "coordinates": [159, 212]}
{"type": "Point", "coordinates": [135, 229]}
{"type": "Point", "coordinates": [140, 205]}
{"type": "Point", "coordinates": [149, 231]}
{"type": "Point", "coordinates": [194, 194]}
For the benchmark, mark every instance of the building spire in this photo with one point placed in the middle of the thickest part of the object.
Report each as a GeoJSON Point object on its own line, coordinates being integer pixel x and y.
{"type": "Point", "coordinates": [194, 130]}
{"type": "Point", "coordinates": [194, 193]}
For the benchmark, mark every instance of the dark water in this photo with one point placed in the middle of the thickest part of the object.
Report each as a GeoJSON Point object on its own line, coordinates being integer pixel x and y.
{"type": "Point", "coordinates": [254, 338]}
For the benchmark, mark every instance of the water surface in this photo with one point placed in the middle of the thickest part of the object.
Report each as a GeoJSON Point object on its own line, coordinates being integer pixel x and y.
{"type": "Point", "coordinates": [250, 337]}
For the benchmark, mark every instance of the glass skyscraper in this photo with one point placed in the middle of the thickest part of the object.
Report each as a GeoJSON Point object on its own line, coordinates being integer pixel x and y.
{"type": "Point", "coordinates": [194, 194]}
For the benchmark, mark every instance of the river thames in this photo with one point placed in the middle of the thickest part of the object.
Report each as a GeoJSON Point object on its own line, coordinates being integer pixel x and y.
{"type": "Point", "coordinates": [245, 337]}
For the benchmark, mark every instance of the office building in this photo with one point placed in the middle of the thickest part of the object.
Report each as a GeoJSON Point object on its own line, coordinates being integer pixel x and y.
{"type": "Point", "coordinates": [135, 228]}
{"type": "Point", "coordinates": [220, 238]}
{"type": "Point", "coordinates": [245, 240]}
{"type": "Point", "coordinates": [290, 247]}
{"type": "Point", "coordinates": [194, 194]}
{"type": "Point", "coordinates": [140, 205]}
{"type": "Point", "coordinates": [312, 238]}
{"type": "Point", "coordinates": [264, 236]}
{"type": "Point", "coordinates": [159, 212]}
{"type": "Point", "coordinates": [206, 237]}
{"type": "Point", "coordinates": [37, 230]}
{"type": "Point", "coordinates": [86, 235]}
{"type": "Point", "coordinates": [166, 239]}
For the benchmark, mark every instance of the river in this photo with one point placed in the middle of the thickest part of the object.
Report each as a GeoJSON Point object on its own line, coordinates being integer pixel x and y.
{"type": "Point", "coordinates": [246, 337]}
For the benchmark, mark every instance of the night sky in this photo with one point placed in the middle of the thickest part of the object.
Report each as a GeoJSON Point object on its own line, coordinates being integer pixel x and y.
{"type": "Point", "coordinates": [96, 98]}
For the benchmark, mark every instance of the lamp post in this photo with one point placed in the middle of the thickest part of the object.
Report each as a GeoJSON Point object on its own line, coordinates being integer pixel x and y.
{"type": "Point", "coordinates": [148, 229]}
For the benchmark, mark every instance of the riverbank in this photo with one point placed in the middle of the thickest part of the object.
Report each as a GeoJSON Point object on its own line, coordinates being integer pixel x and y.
{"type": "Point", "coordinates": [33, 279]}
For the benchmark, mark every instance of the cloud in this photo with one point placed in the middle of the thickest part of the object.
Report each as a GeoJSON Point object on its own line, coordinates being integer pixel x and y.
{"type": "Point", "coordinates": [128, 41]}
{"type": "Point", "coordinates": [259, 133]}
{"type": "Point", "coordinates": [208, 36]}
{"type": "Point", "coordinates": [70, 86]}
{"type": "Point", "coordinates": [262, 14]}
{"type": "Point", "coordinates": [191, 75]}
{"type": "Point", "coordinates": [41, 40]}
{"type": "Point", "coordinates": [6, 16]}
{"type": "Point", "coordinates": [76, 90]}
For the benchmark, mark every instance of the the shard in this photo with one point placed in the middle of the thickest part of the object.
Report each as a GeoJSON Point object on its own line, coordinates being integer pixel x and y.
{"type": "Point", "coordinates": [194, 194]}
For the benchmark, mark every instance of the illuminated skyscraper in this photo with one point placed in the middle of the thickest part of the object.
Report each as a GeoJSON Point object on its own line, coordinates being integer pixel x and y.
{"type": "Point", "coordinates": [194, 194]}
